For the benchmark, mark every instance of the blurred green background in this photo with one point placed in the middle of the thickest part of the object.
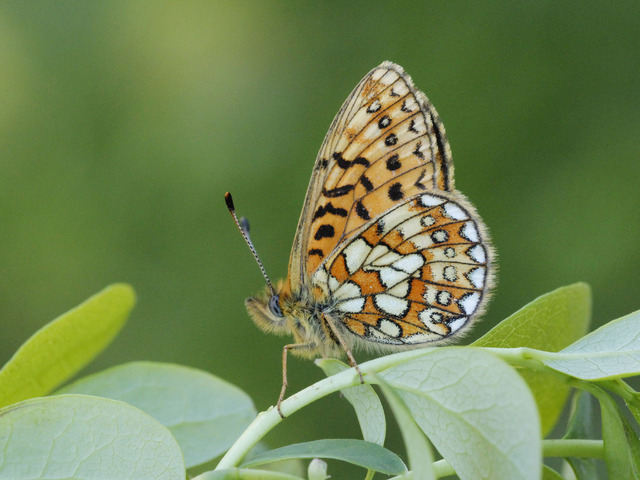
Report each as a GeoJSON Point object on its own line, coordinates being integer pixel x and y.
{"type": "Point", "coordinates": [122, 124]}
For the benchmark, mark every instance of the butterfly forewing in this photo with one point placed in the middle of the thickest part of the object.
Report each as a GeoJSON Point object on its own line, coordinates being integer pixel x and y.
{"type": "Point", "coordinates": [417, 274]}
{"type": "Point", "coordinates": [385, 145]}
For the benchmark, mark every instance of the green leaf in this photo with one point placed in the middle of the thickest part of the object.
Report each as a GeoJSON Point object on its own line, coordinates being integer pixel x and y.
{"type": "Point", "coordinates": [550, 474]}
{"type": "Point", "coordinates": [61, 348]}
{"type": "Point", "coordinates": [582, 426]}
{"type": "Point", "coordinates": [204, 413]}
{"type": "Point", "coordinates": [365, 401]}
{"type": "Point", "coordinates": [358, 452]}
{"type": "Point", "coordinates": [418, 448]}
{"type": "Point", "coordinates": [634, 406]}
{"type": "Point", "coordinates": [621, 442]}
{"type": "Point", "coordinates": [550, 323]}
{"type": "Point", "coordinates": [476, 410]}
{"type": "Point", "coordinates": [245, 474]}
{"type": "Point", "coordinates": [612, 351]}
{"type": "Point", "coordinates": [82, 437]}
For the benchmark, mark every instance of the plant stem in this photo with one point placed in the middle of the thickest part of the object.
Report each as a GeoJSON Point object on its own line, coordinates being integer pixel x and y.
{"type": "Point", "coordinates": [550, 448]}
{"type": "Point", "coordinates": [573, 448]}
{"type": "Point", "coordinates": [268, 419]}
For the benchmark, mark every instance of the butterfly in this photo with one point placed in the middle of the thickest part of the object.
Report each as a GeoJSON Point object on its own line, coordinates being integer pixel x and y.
{"type": "Point", "coordinates": [387, 255]}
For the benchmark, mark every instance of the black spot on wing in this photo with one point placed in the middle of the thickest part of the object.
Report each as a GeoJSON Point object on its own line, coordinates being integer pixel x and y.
{"type": "Point", "coordinates": [342, 163]}
{"type": "Point", "coordinates": [393, 162]}
{"type": "Point", "coordinates": [338, 191]}
{"type": "Point", "coordinates": [395, 192]}
{"type": "Point", "coordinates": [366, 183]}
{"type": "Point", "coordinates": [362, 211]}
{"type": "Point", "coordinates": [361, 161]}
{"type": "Point", "coordinates": [391, 140]}
{"type": "Point", "coordinates": [384, 122]}
{"type": "Point", "coordinates": [329, 208]}
{"type": "Point", "coordinates": [324, 231]}
{"type": "Point", "coordinates": [316, 251]}
{"type": "Point", "coordinates": [419, 183]}
{"type": "Point", "coordinates": [345, 164]}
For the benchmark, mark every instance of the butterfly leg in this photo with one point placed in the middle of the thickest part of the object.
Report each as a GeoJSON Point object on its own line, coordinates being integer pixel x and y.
{"type": "Point", "coordinates": [284, 369]}
{"type": "Point", "coordinates": [344, 345]}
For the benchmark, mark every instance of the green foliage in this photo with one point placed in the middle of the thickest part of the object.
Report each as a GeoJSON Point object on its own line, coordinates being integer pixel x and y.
{"type": "Point", "coordinates": [60, 349]}
{"type": "Point", "coordinates": [78, 436]}
{"type": "Point", "coordinates": [551, 322]}
{"type": "Point", "coordinates": [481, 407]}
{"type": "Point", "coordinates": [365, 454]}
{"type": "Point", "coordinates": [204, 413]}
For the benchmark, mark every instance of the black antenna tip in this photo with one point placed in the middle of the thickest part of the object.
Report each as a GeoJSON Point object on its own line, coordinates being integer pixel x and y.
{"type": "Point", "coordinates": [229, 201]}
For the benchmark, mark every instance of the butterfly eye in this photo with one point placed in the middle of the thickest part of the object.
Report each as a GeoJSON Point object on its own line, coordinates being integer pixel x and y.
{"type": "Point", "coordinates": [274, 306]}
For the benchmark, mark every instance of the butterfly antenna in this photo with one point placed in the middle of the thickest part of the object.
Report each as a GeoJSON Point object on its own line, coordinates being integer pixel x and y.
{"type": "Point", "coordinates": [243, 226]}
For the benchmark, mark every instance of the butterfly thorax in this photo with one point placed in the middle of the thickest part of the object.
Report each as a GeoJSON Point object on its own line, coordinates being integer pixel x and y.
{"type": "Point", "coordinates": [298, 313]}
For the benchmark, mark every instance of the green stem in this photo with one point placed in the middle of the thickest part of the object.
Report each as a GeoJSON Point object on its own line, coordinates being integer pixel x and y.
{"type": "Point", "coordinates": [267, 420]}
{"type": "Point", "coordinates": [550, 448]}
{"type": "Point", "coordinates": [573, 448]}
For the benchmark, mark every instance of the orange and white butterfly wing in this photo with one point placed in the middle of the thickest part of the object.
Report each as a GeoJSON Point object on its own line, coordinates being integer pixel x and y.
{"type": "Point", "coordinates": [385, 145]}
{"type": "Point", "coordinates": [417, 274]}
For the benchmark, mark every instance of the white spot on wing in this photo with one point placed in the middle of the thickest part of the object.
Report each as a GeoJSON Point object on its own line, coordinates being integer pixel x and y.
{"type": "Point", "coordinates": [470, 232]}
{"type": "Point", "coordinates": [386, 259]}
{"type": "Point", "coordinates": [458, 323]}
{"type": "Point", "coordinates": [383, 338]}
{"type": "Point", "coordinates": [430, 201]}
{"type": "Point", "coordinates": [333, 283]}
{"type": "Point", "coordinates": [477, 254]}
{"type": "Point", "coordinates": [427, 221]}
{"type": "Point", "coordinates": [454, 212]}
{"type": "Point", "coordinates": [409, 263]}
{"type": "Point", "coordinates": [476, 277]}
{"type": "Point", "coordinates": [469, 302]}
{"type": "Point", "coordinates": [348, 290]}
{"type": "Point", "coordinates": [411, 227]}
{"type": "Point", "coordinates": [420, 338]}
{"type": "Point", "coordinates": [390, 328]}
{"type": "Point", "coordinates": [355, 254]}
{"type": "Point", "coordinates": [422, 241]}
{"type": "Point", "coordinates": [390, 304]}
{"type": "Point", "coordinates": [400, 290]}
{"type": "Point", "coordinates": [450, 273]}
{"type": "Point", "coordinates": [351, 306]}
{"type": "Point", "coordinates": [377, 252]}
{"type": "Point", "coordinates": [389, 277]}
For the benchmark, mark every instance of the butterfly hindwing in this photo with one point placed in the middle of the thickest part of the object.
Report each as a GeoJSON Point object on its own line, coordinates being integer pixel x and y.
{"type": "Point", "coordinates": [417, 274]}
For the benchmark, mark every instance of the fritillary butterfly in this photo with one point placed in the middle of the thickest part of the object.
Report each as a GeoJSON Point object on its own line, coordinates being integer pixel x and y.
{"type": "Point", "coordinates": [388, 255]}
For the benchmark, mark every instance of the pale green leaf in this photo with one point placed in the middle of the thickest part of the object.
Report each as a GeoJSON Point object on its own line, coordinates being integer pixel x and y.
{"type": "Point", "coordinates": [418, 449]}
{"type": "Point", "coordinates": [621, 442]}
{"type": "Point", "coordinates": [612, 351]}
{"type": "Point", "coordinates": [358, 452]}
{"type": "Point", "coordinates": [550, 323]}
{"type": "Point", "coordinates": [476, 410]}
{"type": "Point", "coordinates": [245, 474]}
{"type": "Point", "coordinates": [365, 401]}
{"type": "Point", "coordinates": [205, 414]}
{"type": "Point", "coordinates": [81, 437]}
{"type": "Point", "coordinates": [62, 347]}
{"type": "Point", "coordinates": [550, 474]}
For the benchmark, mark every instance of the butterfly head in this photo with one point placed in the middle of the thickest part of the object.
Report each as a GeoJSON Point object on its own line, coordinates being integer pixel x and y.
{"type": "Point", "coordinates": [267, 312]}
